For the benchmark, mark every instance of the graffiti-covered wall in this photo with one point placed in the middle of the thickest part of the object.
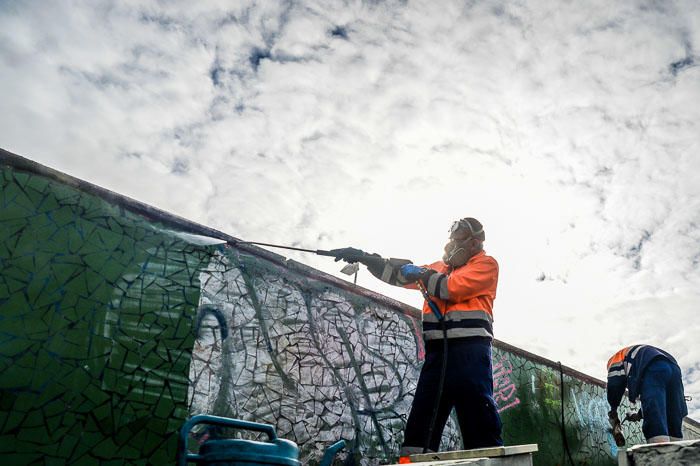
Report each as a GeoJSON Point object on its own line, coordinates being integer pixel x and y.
{"type": "Point", "coordinates": [324, 363]}
{"type": "Point", "coordinates": [320, 362]}
{"type": "Point", "coordinates": [117, 321]}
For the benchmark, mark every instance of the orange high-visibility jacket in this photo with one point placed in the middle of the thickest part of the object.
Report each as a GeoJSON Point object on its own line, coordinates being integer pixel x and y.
{"type": "Point", "coordinates": [464, 296]}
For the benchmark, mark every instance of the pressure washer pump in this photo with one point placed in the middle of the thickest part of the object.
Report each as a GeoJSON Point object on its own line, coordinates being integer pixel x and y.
{"type": "Point", "coordinates": [240, 452]}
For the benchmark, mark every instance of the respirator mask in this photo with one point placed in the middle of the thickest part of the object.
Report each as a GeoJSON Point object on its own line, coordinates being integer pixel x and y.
{"type": "Point", "coordinates": [461, 248]}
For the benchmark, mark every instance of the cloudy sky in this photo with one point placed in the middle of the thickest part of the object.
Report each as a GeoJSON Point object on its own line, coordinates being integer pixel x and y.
{"type": "Point", "coordinates": [571, 129]}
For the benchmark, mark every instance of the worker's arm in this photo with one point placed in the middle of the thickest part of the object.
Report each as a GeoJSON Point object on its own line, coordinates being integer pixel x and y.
{"type": "Point", "coordinates": [435, 283]}
{"type": "Point", "coordinates": [477, 278]}
{"type": "Point", "coordinates": [387, 270]}
{"type": "Point", "coordinates": [617, 382]}
{"type": "Point", "coordinates": [616, 389]}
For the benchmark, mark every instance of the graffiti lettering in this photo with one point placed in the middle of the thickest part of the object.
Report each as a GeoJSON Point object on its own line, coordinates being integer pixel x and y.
{"type": "Point", "coordinates": [504, 389]}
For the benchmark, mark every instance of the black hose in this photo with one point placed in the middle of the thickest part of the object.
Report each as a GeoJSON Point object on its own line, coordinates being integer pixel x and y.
{"type": "Point", "coordinates": [563, 427]}
{"type": "Point", "coordinates": [441, 386]}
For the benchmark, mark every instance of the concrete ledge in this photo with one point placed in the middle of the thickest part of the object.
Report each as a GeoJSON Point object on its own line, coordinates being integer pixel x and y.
{"type": "Point", "coordinates": [516, 455]}
{"type": "Point", "coordinates": [491, 452]}
{"type": "Point", "coordinates": [684, 452]}
{"type": "Point", "coordinates": [460, 462]}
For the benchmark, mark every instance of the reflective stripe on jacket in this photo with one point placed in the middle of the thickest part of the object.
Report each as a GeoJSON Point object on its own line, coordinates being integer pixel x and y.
{"type": "Point", "coordinates": [464, 296]}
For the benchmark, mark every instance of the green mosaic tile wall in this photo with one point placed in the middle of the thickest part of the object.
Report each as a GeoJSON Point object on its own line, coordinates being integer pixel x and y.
{"type": "Point", "coordinates": [96, 308]}
{"type": "Point", "coordinates": [116, 325]}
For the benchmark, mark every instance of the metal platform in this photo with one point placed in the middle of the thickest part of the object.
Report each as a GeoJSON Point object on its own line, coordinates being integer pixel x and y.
{"type": "Point", "coordinates": [516, 455]}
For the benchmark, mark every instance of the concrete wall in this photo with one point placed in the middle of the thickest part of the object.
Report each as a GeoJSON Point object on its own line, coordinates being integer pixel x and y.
{"type": "Point", "coordinates": [684, 453]}
{"type": "Point", "coordinates": [118, 320]}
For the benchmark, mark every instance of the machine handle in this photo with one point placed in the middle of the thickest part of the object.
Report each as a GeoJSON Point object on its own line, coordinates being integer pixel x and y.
{"type": "Point", "coordinates": [183, 457]}
{"type": "Point", "coordinates": [330, 453]}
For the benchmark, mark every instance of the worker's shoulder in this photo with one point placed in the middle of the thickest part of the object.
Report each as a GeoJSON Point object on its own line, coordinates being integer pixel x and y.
{"type": "Point", "coordinates": [483, 258]}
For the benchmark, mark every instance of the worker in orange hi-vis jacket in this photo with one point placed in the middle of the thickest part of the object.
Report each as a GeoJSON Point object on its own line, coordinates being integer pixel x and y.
{"type": "Point", "coordinates": [459, 291]}
{"type": "Point", "coordinates": [652, 375]}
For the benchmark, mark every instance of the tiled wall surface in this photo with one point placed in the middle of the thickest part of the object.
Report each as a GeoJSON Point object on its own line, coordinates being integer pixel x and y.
{"type": "Point", "coordinates": [96, 312]}
{"type": "Point", "coordinates": [116, 323]}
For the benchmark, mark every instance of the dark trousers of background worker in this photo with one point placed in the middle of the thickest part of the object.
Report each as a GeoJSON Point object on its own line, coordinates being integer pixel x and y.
{"type": "Point", "coordinates": [663, 400]}
{"type": "Point", "coordinates": [468, 388]}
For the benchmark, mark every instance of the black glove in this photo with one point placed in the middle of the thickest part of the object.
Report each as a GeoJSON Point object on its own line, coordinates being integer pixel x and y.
{"type": "Point", "coordinates": [353, 255]}
{"type": "Point", "coordinates": [350, 255]}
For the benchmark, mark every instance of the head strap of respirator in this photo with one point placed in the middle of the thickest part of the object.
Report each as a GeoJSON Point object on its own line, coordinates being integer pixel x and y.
{"type": "Point", "coordinates": [463, 229]}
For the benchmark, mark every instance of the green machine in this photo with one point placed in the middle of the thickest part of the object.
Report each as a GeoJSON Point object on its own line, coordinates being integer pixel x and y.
{"type": "Point", "coordinates": [240, 452]}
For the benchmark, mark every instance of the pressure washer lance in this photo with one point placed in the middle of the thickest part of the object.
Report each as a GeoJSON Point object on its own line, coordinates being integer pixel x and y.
{"type": "Point", "coordinates": [349, 269]}
{"type": "Point", "coordinates": [320, 252]}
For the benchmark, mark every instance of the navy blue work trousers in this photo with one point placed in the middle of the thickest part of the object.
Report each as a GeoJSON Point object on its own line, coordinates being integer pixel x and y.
{"type": "Point", "coordinates": [468, 388]}
{"type": "Point", "coordinates": [663, 400]}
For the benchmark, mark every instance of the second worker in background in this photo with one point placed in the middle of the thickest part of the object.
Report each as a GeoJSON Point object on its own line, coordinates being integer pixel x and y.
{"type": "Point", "coordinates": [459, 290]}
{"type": "Point", "coordinates": [652, 375]}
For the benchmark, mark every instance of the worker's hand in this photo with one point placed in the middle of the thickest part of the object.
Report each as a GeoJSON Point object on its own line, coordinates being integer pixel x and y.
{"type": "Point", "coordinates": [618, 435]}
{"type": "Point", "coordinates": [616, 428]}
{"type": "Point", "coordinates": [350, 255]}
{"type": "Point", "coordinates": [412, 272]}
